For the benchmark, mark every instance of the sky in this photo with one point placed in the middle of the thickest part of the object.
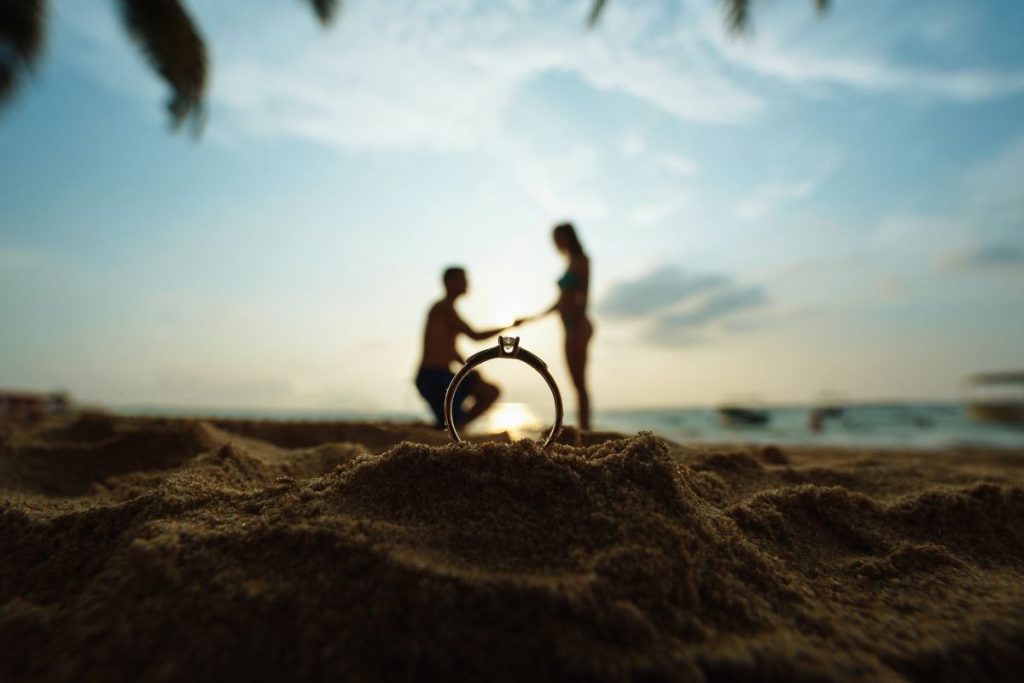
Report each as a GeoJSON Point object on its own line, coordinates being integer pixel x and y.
{"type": "Point", "coordinates": [827, 205]}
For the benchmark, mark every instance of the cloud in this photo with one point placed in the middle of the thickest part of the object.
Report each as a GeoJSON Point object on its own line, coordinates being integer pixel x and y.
{"type": "Point", "coordinates": [678, 164]}
{"type": "Point", "coordinates": [560, 182]}
{"type": "Point", "coordinates": [984, 257]}
{"type": "Point", "coordinates": [980, 231]}
{"type": "Point", "coordinates": [995, 191]}
{"type": "Point", "coordinates": [674, 195]}
{"type": "Point", "coordinates": [715, 306]}
{"type": "Point", "coordinates": [899, 231]}
{"type": "Point", "coordinates": [412, 75]}
{"type": "Point", "coordinates": [678, 308]}
{"type": "Point", "coordinates": [654, 212]}
{"type": "Point", "coordinates": [874, 75]}
{"type": "Point", "coordinates": [686, 326]}
{"type": "Point", "coordinates": [767, 197]}
{"type": "Point", "coordinates": [633, 144]}
{"type": "Point", "coordinates": [662, 287]}
{"type": "Point", "coordinates": [441, 77]}
{"type": "Point", "coordinates": [852, 51]}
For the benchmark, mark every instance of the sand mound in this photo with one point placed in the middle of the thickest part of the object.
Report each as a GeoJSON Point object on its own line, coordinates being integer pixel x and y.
{"type": "Point", "coordinates": [374, 436]}
{"type": "Point", "coordinates": [622, 560]}
{"type": "Point", "coordinates": [66, 461]}
{"type": "Point", "coordinates": [97, 454]}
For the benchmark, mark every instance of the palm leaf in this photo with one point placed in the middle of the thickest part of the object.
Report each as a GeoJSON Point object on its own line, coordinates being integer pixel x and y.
{"type": "Point", "coordinates": [595, 12]}
{"type": "Point", "coordinates": [325, 9]}
{"type": "Point", "coordinates": [21, 41]}
{"type": "Point", "coordinates": [737, 14]}
{"type": "Point", "coordinates": [171, 43]}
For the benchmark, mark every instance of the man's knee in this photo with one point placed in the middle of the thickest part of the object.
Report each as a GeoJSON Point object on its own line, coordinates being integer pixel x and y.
{"type": "Point", "coordinates": [488, 392]}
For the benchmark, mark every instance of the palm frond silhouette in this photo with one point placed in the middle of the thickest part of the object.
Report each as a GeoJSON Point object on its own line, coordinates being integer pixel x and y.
{"type": "Point", "coordinates": [21, 41]}
{"type": "Point", "coordinates": [737, 12]}
{"type": "Point", "coordinates": [163, 29]}
{"type": "Point", "coordinates": [169, 39]}
{"type": "Point", "coordinates": [173, 45]}
{"type": "Point", "coordinates": [595, 12]}
{"type": "Point", "coordinates": [325, 9]}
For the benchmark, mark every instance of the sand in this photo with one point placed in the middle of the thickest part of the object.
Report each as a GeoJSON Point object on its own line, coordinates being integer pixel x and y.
{"type": "Point", "coordinates": [173, 550]}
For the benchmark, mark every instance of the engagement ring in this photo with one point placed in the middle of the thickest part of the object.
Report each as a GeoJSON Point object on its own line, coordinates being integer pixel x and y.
{"type": "Point", "coordinates": [508, 347]}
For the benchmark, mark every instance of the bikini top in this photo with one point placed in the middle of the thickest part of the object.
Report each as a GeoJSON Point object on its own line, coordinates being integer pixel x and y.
{"type": "Point", "coordinates": [569, 281]}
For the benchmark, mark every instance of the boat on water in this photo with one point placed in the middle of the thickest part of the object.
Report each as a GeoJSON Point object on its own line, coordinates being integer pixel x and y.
{"type": "Point", "coordinates": [996, 397]}
{"type": "Point", "coordinates": [818, 416]}
{"type": "Point", "coordinates": [743, 416]}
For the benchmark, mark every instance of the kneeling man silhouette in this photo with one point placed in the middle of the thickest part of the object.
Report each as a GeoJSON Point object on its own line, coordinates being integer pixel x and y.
{"type": "Point", "coordinates": [444, 325]}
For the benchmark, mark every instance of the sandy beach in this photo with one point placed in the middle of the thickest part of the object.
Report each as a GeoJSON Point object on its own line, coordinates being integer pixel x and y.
{"type": "Point", "coordinates": [763, 262]}
{"type": "Point", "coordinates": [163, 550]}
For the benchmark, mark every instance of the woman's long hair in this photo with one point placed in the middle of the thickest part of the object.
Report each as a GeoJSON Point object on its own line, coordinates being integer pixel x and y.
{"type": "Point", "coordinates": [566, 234]}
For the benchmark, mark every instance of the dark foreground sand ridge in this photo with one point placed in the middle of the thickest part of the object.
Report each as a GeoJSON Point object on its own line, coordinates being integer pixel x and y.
{"type": "Point", "coordinates": [181, 550]}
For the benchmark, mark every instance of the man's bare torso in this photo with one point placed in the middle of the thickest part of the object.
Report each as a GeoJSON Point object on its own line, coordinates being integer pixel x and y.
{"type": "Point", "coordinates": [443, 327]}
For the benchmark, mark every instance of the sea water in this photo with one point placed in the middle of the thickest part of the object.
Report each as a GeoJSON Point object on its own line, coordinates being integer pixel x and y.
{"type": "Point", "coordinates": [914, 425]}
{"type": "Point", "coordinates": [904, 425]}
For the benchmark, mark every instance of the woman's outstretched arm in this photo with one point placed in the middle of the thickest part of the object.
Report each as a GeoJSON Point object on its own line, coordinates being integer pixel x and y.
{"type": "Point", "coordinates": [538, 316]}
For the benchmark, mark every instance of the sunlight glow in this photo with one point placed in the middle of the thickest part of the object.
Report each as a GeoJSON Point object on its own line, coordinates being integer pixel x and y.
{"type": "Point", "coordinates": [515, 418]}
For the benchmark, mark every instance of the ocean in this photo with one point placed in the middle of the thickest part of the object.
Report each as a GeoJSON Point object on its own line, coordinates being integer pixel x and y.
{"type": "Point", "coordinates": [903, 425]}
{"type": "Point", "coordinates": [913, 425]}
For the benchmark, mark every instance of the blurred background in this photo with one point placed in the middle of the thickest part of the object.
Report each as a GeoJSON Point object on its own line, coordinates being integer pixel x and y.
{"type": "Point", "coordinates": [824, 210]}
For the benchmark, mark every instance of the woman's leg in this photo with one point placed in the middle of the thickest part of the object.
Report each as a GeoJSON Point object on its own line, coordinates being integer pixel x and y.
{"type": "Point", "coordinates": [576, 343]}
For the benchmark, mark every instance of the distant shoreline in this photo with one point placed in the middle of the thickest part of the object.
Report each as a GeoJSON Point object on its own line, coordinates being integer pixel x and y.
{"type": "Point", "coordinates": [918, 426]}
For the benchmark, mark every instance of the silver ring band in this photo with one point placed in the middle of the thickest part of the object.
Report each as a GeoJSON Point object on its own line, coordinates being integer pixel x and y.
{"type": "Point", "coordinates": [508, 347]}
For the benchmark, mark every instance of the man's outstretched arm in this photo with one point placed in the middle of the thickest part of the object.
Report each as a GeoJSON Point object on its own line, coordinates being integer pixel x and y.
{"type": "Point", "coordinates": [484, 334]}
{"type": "Point", "coordinates": [475, 335]}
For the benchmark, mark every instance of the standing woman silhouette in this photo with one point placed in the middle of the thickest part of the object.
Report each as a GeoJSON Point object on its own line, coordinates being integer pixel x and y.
{"type": "Point", "coordinates": [572, 307]}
